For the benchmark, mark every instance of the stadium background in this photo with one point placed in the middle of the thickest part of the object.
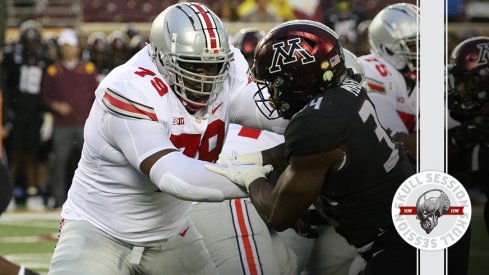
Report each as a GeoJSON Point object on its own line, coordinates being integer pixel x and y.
{"type": "Point", "coordinates": [29, 237]}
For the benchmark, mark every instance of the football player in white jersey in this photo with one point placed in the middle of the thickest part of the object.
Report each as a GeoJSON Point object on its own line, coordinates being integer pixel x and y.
{"type": "Point", "coordinates": [390, 69]}
{"type": "Point", "coordinates": [156, 120]}
{"type": "Point", "coordinates": [237, 238]}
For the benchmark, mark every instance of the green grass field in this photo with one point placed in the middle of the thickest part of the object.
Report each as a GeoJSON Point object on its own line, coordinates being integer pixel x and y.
{"type": "Point", "coordinates": [29, 239]}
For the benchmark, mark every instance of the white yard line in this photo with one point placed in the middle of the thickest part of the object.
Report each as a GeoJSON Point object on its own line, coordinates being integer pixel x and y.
{"type": "Point", "coordinates": [30, 239]}
{"type": "Point", "coordinates": [16, 216]}
{"type": "Point", "coordinates": [42, 224]}
{"type": "Point", "coordinates": [31, 260]}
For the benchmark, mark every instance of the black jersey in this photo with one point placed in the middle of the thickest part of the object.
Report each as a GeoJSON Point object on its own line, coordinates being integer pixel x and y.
{"type": "Point", "coordinates": [24, 67]}
{"type": "Point", "coordinates": [359, 195]}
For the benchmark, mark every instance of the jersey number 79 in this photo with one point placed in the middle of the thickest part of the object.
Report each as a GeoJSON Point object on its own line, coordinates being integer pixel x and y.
{"type": "Point", "coordinates": [207, 147]}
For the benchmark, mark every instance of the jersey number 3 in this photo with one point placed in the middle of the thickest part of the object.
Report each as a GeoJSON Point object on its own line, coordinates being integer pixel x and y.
{"type": "Point", "coordinates": [367, 111]}
{"type": "Point", "coordinates": [207, 146]}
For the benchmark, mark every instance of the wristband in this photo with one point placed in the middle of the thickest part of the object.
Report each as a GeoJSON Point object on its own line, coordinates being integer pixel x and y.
{"type": "Point", "coordinates": [255, 158]}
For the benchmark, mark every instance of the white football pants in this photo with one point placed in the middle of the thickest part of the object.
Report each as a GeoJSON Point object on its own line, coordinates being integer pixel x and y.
{"type": "Point", "coordinates": [84, 249]}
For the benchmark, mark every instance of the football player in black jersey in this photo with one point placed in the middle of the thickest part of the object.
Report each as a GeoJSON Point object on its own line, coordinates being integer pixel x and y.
{"type": "Point", "coordinates": [468, 148]}
{"type": "Point", "coordinates": [338, 154]}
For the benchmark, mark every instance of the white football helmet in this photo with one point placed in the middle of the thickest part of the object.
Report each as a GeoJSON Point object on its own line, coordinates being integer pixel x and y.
{"type": "Point", "coordinates": [189, 45]}
{"type": "Point", "coordinates": [393, 35]}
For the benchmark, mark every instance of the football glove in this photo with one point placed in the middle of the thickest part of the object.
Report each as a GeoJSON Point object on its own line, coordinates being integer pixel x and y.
{"type": "Point", "coordinates": [234, 157]}
{"type": "Point", "coordinates": [46, 130]}
{"type": "Point", "coordinates": [241, 174]}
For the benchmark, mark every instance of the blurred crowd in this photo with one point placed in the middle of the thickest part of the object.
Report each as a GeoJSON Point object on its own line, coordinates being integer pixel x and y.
{"type": "Point", "coordinates": [468, 10]}
{"type": "Point", "coordinates": [48, 88]}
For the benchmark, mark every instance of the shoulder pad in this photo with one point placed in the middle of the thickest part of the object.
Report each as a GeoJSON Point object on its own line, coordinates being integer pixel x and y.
{"type": "Point", "coordinates": [239, 65]}
{"type": "Point", "coordinates": [137, 84]}
{"type": "Point", "coordinates": [126, 107]}
{"type": "Point", "coordinates": [378, 74]}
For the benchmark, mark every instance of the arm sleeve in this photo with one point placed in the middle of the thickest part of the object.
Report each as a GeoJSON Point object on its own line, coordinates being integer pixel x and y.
{"type": "Point", "coordinates": [174, 173]}
{"type": "Point", "coordinates": [309, 134]}
{"type": "Point", "coordinates": [188, 179]}
{"type": "Point", "coordinates": [245, 112]}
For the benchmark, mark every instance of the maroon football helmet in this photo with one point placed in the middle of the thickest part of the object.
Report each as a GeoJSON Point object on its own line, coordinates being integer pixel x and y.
{"type": "Point", "coordinates": [296, 61]}
{"type": "Point", "coordinates": [469, 76]}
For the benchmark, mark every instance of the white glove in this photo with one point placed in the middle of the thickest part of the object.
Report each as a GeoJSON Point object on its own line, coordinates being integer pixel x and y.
{"type": "Point", "coordinates": [47, 127]}
{"type": "Point", "coordinates": [241, 174]}
{"type": "Point", "coordinates": [235, 158]}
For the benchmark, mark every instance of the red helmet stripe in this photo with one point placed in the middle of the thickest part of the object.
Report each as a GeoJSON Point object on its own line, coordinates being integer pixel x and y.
{"type": "Point", "coordinates": [209, 25]}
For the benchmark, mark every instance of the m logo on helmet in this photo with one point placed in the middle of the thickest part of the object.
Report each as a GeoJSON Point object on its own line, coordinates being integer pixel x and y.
{"type": "Point", "coordinates": [483, 53]}
{"type": "Point", "coordinates": [282, 57]}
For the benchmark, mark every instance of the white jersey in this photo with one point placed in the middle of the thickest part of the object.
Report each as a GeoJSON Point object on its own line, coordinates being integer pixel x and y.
{"type": "Point", "coordinates": [108, 188]}
{"type": "Point", "coordinates": [383, 79]}
{"type": "Point", "coordinates": [244, 140]}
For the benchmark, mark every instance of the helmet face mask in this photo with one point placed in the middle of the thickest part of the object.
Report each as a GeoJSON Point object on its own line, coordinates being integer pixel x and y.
{"type": "Point", "coordinates": [294, 62]}
{"type": "Point", "coordinates": [467, 91]}
{"type": "Point", "coordinates": [280, 98]}
{"type": "Point", "coordinates": [190, 49]}
{"type": "Point", "coordinates": [393, 35]}
{"type": "Point", "coordinates": [196, 81]}
{"type": "Point", "coordinates": [468, 77]}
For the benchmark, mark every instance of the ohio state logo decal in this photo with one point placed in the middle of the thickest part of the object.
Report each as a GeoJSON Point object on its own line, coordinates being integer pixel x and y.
{"type": "Point", "coordinates": [431, 210]}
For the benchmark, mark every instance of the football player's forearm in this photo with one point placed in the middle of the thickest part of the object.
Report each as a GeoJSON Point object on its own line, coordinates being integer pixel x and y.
{"type": "Point", "coordinates": [260, 192]}
{"type": "Point", "coordinates": [265, 200]}
{"type": "Point", "coordinates": [409, 141]}
{"type": "Point", "coordinates": [186, 178]}
{"type": "Point", "coordinates": [275, 156]}
{"type": "Point", "coordinates": [7, 267]}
